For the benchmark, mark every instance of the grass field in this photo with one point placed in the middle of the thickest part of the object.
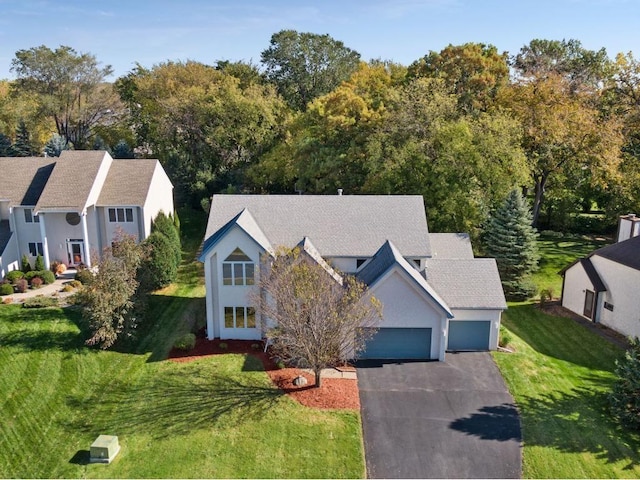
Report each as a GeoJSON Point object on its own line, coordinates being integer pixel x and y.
{"type": "Point", "coordinates": [558, 252]}
{"type": "Point", "coordinates": [216, 417]}
{"type": "Point", "coordinates": [560, 376]}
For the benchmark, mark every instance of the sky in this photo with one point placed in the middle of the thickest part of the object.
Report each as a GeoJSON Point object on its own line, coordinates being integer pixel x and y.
{"type": "Point", "coordinates": [123, 33]}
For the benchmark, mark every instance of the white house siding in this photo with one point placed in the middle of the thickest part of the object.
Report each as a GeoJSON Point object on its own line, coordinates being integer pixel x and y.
{"type": "Point", "coordinates": [576, 282]}
{"type": "Point", "coordinates": [112, 228]}
{"type": "Point", "coordinates": [623, 292]}
{"type": "Point", "coordinates": [159, 197]}
{"type": "Point", "coordinates": [25, 232]}
{"type": "Point", "coordinates": [492, 316]}
{"type": "Point", "coordinates": [406, 306]}
{"type": "Point", "coordinates": [342, 264]}
{"type": "Point", "coordinates": [220, 296]}
{"type": "Point", "coordinates": [9, 258]}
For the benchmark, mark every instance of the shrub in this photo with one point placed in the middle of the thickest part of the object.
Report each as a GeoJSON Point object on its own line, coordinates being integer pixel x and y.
{"type": "Point", "coordinates": [36, 282]}
{"type": "Point", "coordinates": [39, 263]}
{"type": "Point", "coordinates": [40, 302]}
{"type": "Point", "coordinates": [68, 288]}
{"type": "Point", "coordinates": [185, 342]}
{"type": "Point", "coordinates": [47, 277]}
{"type": "Point", "coordinates": [6, 289]}
{"type": "Point", "coordinates": [14, 276]}
{"type": "Point", "coordinates": [21, 285]}
{"type": "Point", "coordinates": [223, 346]}
{"type": "Point", "coordinates": [159, 269]}
{"type": "Point", "coordinates": [26, 265]}
{"type": "Point", "coordinates": [546, 295]}
{"type": "Point", "coordinates": [84, 276]}
{"type": "Point", "coordinates": [165, 226]}
{"type": "Point", "coordinates": [624, 397]}
{"type": "Point", "coordinates": [505, 337]}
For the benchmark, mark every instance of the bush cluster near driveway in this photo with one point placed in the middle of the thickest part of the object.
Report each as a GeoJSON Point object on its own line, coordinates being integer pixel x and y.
{"type": "Point", "coordinates": [216, 417]}
{"type": "Point", "coordinates": [560, 377]}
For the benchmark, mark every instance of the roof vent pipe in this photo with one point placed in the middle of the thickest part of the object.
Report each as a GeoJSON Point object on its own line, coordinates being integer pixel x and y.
{"type": "Point", "coordinates": [339, 191]}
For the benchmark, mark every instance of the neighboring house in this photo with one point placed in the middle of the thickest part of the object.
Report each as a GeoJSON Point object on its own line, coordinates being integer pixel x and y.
{"type": "Point", "coordinates": [604, 287]}
{"type": "Point", "coordinates": [436, 296]}
{"type": "Point", "coordinates": [69, 208]}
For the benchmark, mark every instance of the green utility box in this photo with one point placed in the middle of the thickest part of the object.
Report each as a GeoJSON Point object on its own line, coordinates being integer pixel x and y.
{"type": "Point", "coordinates": [104, 449]}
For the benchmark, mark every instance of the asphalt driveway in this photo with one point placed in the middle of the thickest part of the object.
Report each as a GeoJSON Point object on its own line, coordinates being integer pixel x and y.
{"type": "Point", "coordinates": [452, 419]}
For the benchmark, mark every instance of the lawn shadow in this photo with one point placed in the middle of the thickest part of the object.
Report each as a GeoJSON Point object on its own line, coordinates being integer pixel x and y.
{"type": "Point", "coordinates": [569, 420]}
{"type": "Point", "coordinates": [497, 422]}
{"type": "Point", "coordinates": [175, 403]}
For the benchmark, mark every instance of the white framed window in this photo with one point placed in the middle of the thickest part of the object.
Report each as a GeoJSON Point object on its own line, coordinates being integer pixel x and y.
{"type": "Point", "coordinates": [238, 269]}
{"type": "Point", "coordinates": [29, 217]}
{"type": "Point", "coordinates": [35, 249]}
{"type": "Point", "coordinates": [239, 317]}
{"type": "Point", "coordinates": [121, 215]}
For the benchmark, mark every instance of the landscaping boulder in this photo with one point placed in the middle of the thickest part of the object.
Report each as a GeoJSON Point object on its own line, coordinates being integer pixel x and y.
{"type": "Point", "coordinates": [299, 381]}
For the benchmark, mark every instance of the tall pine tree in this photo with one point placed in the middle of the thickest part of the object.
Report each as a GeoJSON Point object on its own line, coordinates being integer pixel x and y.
{"type": "Point", "coordinates": [511, 240]}
{"type": "Point", "coordinates": [22, 146]}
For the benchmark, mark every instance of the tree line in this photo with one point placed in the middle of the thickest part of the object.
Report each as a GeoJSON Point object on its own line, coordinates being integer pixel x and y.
{"type": "Point", "coordinates": [462, 127]}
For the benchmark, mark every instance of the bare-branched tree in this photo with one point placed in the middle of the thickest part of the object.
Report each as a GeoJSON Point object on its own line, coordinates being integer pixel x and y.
{"type": "Point", "coordinates": [311, 315]}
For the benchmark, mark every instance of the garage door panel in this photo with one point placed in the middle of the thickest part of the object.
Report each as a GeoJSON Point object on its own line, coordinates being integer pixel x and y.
{"type": "Point", "coordinates": [399, 343]}
{"type": "Point", "coordinates": [469, 335]}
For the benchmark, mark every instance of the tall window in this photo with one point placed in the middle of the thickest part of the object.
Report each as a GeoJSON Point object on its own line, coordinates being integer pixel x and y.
{"type": "Point", "coordinates": [35, 248]}
{"type": "Point", "coordinates": [121, 215]}
{"type": "Point", "coordinates": [29, 217]}
{"type": "Point", "coordinates": [238, 269]}
{"type": "Point", "coordinates": [239, 317]}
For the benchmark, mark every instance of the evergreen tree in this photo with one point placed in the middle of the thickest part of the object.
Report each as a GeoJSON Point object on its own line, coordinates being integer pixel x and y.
{"type": "Point", "coordinates": [56, 145]}
{"type": "Point", "coordinates": [159, 269]}
{"type": "Point", "coordinates": [5, 146]}
{"type": "Point", "coordinates": [39, 264]}
{"type": "Point", "coordinates": [625, 395]}
{"type": "Point", "coordinates": [26, 265]}
{"type": "Point", "coordinates": [511, 240]}
{"type": "Point", "coordinates": [164, 225]}
{"type": "Point", "coordinates": [122, 150]}
{"type": "Point", "coordinates": [22, 146]}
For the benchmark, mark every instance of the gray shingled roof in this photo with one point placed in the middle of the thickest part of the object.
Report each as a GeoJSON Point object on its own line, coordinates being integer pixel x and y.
{"type": "Point", "coordinates": [451, 245]}
{"type": "Point", "coordinates": [386, 258]}
{"type": "Point", "coordinates": [23, 179]}
{"type": "Point", "coordinates": [472, 283]}
{"type": "Point", "coordinates": [127, 183]}
{"type": "Point", "coordinates": [626, 253]}
{"type": "Point", "coordinates": [71, 181]}
{"type": "Point", "coordinates": [340, 225]}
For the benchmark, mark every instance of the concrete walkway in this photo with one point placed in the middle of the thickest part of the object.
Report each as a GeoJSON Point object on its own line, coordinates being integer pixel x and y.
{"type": "Point", "coordinates": [53, 289]}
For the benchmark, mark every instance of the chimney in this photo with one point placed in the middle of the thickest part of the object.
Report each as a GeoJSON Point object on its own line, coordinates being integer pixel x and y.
{"type": "Point", "coordinates": [339, 191]}
{"type": "Point", "coordinates": [628, 227]}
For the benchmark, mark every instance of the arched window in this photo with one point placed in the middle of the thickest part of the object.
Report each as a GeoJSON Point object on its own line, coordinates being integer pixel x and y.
{"type": "Point", "coordinates": [238, 269]}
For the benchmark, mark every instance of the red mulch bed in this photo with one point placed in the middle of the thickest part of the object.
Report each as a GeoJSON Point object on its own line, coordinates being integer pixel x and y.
{"type": "Point", "coordinates": [334, 393]}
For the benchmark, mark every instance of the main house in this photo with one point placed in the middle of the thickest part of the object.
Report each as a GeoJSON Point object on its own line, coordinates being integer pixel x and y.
{"type": "Point", "coordinates": [604, 286]}
{"type": "Point", "coordinates": [68, 209]}
{"type": "Point", "coordinates": [436, 296]}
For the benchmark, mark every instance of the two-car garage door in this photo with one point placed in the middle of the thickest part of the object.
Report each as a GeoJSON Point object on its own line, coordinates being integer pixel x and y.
{"type": "Point", "coordinates": [399, 343]}
{"type": "Point", "coordinates": [415, 343]}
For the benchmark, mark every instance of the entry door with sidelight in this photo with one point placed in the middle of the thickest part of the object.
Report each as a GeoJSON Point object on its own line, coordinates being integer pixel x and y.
{"type": "Point", "coordinates": [75, 250]}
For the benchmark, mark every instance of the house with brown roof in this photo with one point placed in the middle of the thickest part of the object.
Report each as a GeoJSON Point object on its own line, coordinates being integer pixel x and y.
{"type": "Point", "coordinates": [604, 286]}
{"type": "Point", "coordinates": [68, 209]}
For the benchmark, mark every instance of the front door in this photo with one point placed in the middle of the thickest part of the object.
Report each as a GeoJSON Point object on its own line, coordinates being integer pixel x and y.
{"type": "Point", "coordinates": [589, 298]}
{"type": "Point", "coordinates": [75, 251]}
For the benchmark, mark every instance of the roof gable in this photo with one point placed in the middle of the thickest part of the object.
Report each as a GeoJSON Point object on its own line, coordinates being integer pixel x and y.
{"type": "Point", "coordinates": [72, 182]}
{"type": "Point", "coordinates": [310, 250]}
{"type": "Point", "coordinates": [243, 220]}
{"type": "Point", "coordinates": [128, 182]}
{"type": "Point", "coordinates": [340, 225]}
{"type": "Point", "coordinates": [387, 258]}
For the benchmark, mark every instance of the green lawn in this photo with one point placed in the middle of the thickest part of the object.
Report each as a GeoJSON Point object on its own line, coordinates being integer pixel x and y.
{"type": "Point", "coordinates": [216, 417]}
{"type": "Point", "coordinates": [559, 377]}
{"type": "Point", "coordinates": [558, 252]}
